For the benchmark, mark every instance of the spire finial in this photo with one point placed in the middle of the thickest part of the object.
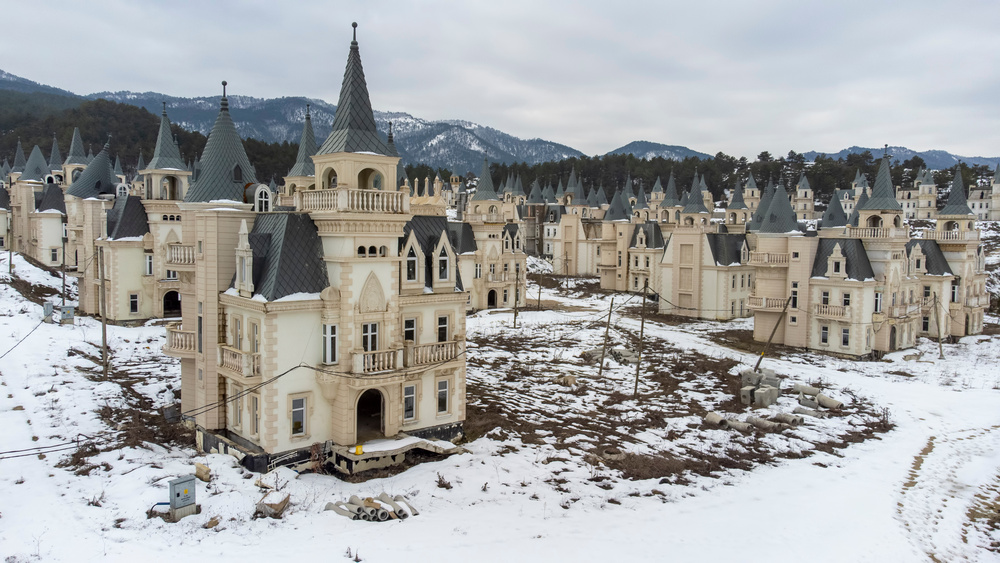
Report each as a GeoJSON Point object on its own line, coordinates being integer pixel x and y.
{"type": "Point", "coordinates": [224, 84]}
{"type": "Point", "coordinates": [355, 26]}
{"type": "Point", "coordinates": [307, 111]}
{"type": "Point", "coordinates": [164, 107]}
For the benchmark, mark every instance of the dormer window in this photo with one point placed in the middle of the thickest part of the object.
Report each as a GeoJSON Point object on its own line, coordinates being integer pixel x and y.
{"type": "Point", "coordinates": [237, 174]}
{"type": "Point", "coordinates": [411, 265]}
{"type": "Point", "coordinates": [918, 263]}
{"type": "Point", "coordinates": [836, 267]}
{"type": "Point", "coordinates": [262, 199]}
{"type": "Point", "coordinates": [443, 264]}
{"type": "Point", "coordinates": [122, 190]}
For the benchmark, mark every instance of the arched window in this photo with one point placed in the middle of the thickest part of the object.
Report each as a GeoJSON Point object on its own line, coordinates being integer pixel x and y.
{"type": "Point", "coordinates": [372, 252]}
{"type": "Point", "coordinates": [262, 199]}
{"type": "Point", "coordinates": [383, 251]}
{"type": "Point", "coordinates": [237, 174]}
{"type": "Point", "coordinates": [361, 252]}
{"type": "Point", "coordinates": [443, 264]}
{"type": "Point", "coordinates": [76, 173]}
{"type": "Point", "coordinates": [411, 265]}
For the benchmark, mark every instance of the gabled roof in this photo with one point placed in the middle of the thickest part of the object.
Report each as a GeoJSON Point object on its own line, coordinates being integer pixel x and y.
{"type": "Point", "coordinates": [127, 218]}
{"type": "Point", "coordinates": [485, 190]}
{"type": "Point", "coordinates": [510, 229]}
{"type": "Point", "coordinates": [654, 237]}
{"type": "Point", "coordinates": [883, 197]}
{"type": "Point", "coordinates": [52, 199]}
{"type": "Point", "coordinates": [287, 255]}
{"type": "Point", "coordinates": [670, 197]}
{"type": "Point", "coordinates": [35, 168]}
{"type": "Point", "coordinates": [858, 205]}
{"type": "Point", "coordinates": [780, 217]}
{"type": "Point", "coordinates": [695, 202]}
{"type": "Point", "coordinates": [737, 200]}
{"type": "Point", "coordinates": [428, 231]}
{"type": "Point", "coordinates": [166, 155]}
{"type": "Point", "coordinates": [620, 209]}
{"type": "Point", "coordinates": [462, 237]}
{"type": "Point", "coordinates": [76, 154]}
{"type": "Point", "coordinates": [354, 123]}
{"type": "Point", "coordinates": [957, 204]}
{"type": "Point", "coordinates": [657, 186]}
{"type": "Point", "coordinates": [834, 216]}
{"type": "Point", "coordinates": [934, 260]}
{"type": "Point", "coordinates": [55, 158]}
{"type": "Point", "coordinates": [4, 198]}
{"type": "Point", "coordinates": [223, 153]}
{"type": "Point", "coordinates": [98, 178]}
{"type": "Point", "coordinates": [727, 249]}
{"type": "Point", "coordinates": [536, 193]}
{"type": "Point", "coordinates": [857, 265]}
{"type": "Point", "coordinates": [19, 160]}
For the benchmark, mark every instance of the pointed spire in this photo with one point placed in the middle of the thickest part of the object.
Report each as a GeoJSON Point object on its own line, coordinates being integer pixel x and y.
{"type": "Point", "coordinates": [98, 178]}
{"type": "Point", "coordinates": [76, 154]}
{"type": "Point", "coordinates": [657, 186]}
{"type": "Point", "coordinates": [620, 210]}
{"type": "Point", "coordinates": [307, 148]}
{"type": "Point", "coordinates": [640, 199]}
{"type": "Point", "coordinates": [883, 196]}
{"type": "Point", "coordinates": [55, 158]}
{"type": "Point", "coordinates": [804, 182]}
{"type": "Point", "coordinates": [751, 182]}
{"type": "Point", "coordinates": [602, 196]}
{"type": "Point", "coordinates": [354, 122]}
{"type": "Point", "coordinates": [834, 216]}
{"type": "Point", "coordinates": [572, 179]}
{"type": "Point", "coordinates": [737, 200]}
{"type": "Point", "coordinates": [560, 192]}
{"type": "Point", "coordinates": [224, 168]}
{"type": "Point", "coordinates": [536, 197]}
{"type": "Point", "coordinates": [90, 154]}
{"type": "Point", "coordinates": [549, 194]}
{"type": "Point", "coordinates": [765, 201]}
{"type": "Point", "coordinates": [518, 187]}
{"type": "Point", "coordinates": [696, 201]}
{"type": "Point", "coordinates": [4, 171]}
{"type": "Point", "coordinates": [485, 190]}
{"type": "Point", "coordinates": [19, 160]}
{"type": "Point", "coordinates": [958, 203]}
{"type": "Point", "coordinates": [780, 217]}
{"type": "Point", "coordinates": [670, 197]}
{"type": "Point", "coordinates": [35, 168]}
{"type": "Point", "coordinates": [858, 205]}
{"type": "Point", "coordinates": [166, 156]}
{"type": "Point", "coordinates": [118, 166]}
{"type": "Point", "coordinates": [141, 165]}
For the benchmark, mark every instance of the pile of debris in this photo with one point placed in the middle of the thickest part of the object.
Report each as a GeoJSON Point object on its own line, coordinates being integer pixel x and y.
{"type": "Point", "coordinates": [759, 388]}
{"type": "Point", "coordinates": [374, 509]}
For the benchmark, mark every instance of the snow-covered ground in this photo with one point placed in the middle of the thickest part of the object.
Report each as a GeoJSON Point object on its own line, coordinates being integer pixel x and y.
{"type": "Point", "coordinates": [542, 486]}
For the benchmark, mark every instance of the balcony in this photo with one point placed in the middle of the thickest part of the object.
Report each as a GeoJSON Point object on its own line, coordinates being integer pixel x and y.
{"type": "Point", "coordinates": [180, 255]}
{"type": "Point", "coordinates": [952, 236]}
{"type": "Point", "coordinates": [180, 343]}
{"type": "Point", "coordinates": [877, 232]}
{"type": "Point", "coordinates": [374, 362]}
{"type": "Point", "coordinates": [484, 218]}
{"type": "Point", "coordinates": [832, 311]}
{"type": "Point", "coordinates": [501, 277]}
{"type": "Point", "coordinates": [904, 310]}
{"type": "Point", "coordinates": [766, 303]}
{"type": "Point", "coordinates": [239, 362]}
{"type": "Point", "coordinates": [769, 258]}
{"type": "Point", "coordinates": [439, 352]}
{"type": "Point", "coordinates": [977, 301]}
{"type": "Point", "coordinates": [354, 201]}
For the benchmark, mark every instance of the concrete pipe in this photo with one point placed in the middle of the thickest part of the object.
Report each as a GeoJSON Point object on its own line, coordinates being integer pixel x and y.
{"type": "Point", "coordinates": [382, 514]}
{"type": "Point", "coordinates": [788, 418]}
{"type": "Point", "coordinates": [354, 508]}
{"type": "Point", "coordinates": [341, 510]}
{"type": "Point", "coordinates": [741, 426]}
{"type": "Point", "coordinates": [809, 412]}
{"type": "Point", "coordinates": [356, 500]}
{"type": "Point", "coordinates": [406, 505]}
{"type": "Point", "coordinates": [828, 403]}
{"type": "Point", "coordinates": [396, 509]}
{"type": "Point", "coordinates": [715, 419]}
{"type": "Point", "coordinates": [807, 402]}
{"type": "Point", "coordinates": [765, 425]}
{"type": "Point", "coordinates": [805, 389]}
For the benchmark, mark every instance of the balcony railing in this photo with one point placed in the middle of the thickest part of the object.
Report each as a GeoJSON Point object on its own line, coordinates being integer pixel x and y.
{"type": "Point", "coordinates": [373, 362]}
{"type": "Point", "coordinates": [497, 278]}
{"type": "Point", "coordinates": [766, 303]}
{"type": "Point", "coordinates": [877, 232]}
{"type": "Point", "coordinates": [239, 362]}
{"type": "Point", "coordinates": [180, 341]}
{"type": "Point", "coordinates": [354, 201]}
{"type": "Point", "coordinates": [834, 311]}
{"type": "Point", "coordinates": [432, 353]}
{"type": "Point", "coordinates": [952, 235]}
{"type": "Point", "coordinates": [180, 254]}
{"type": "Point", "coordinates": [769, 258]}
{"type": "Point", "coordinates": [977, 301]}
{"type": "Point", "coordinates": [484, 217]}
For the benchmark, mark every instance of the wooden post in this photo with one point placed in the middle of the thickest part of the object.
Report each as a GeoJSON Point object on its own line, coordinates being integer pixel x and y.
{"type": "Point", "coordinates": [104, 314]}
{"type": "Point", "coordinates": [774, 331]}
{"type": "Point", "coordinates": [517, 290]}
{"type": "Point", "coordinates": [607, 329]}
{"type": "Point", "coordinates": [642, 329]}
{"type": "Point", "coordinates": [64, 270]}
{"type": "Point", "coordinates": [939, 331]}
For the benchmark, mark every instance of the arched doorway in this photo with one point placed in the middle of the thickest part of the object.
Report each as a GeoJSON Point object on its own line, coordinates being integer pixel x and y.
{"type": "Point", "coordinates": [892, 339]}
{"type": "Point", "coordinates": [491, 299]}
{"type": "Point", "coordinates": [171, 304]}
{"type": "Point", "coordinates": [369, 416]}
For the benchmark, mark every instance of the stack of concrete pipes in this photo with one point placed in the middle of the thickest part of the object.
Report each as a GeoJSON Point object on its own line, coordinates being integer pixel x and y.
{"type": "Point", "coordinates": [811, 399]}
{"type": "Point", "coordinates": [777, 423]}
{"type": "Point", "coordinates": [374, 509]}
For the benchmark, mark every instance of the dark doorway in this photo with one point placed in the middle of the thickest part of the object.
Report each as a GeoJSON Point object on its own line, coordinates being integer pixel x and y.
{"type": "Point", "coordinates": [370, 416]}
{"type": "Point", "coordinates": [491, 299]}
{"type": "Point", "coordinates": [171, 304]}
{"type": "Point", "coordinates": [892, 339]}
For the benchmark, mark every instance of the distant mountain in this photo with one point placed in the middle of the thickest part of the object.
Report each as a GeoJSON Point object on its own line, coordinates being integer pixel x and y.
{"type": "Point", "coordinates": [935, 160]}
{"type": "Point", "coordinates": [9, 81]}
{"type": "Point", "coordinates": [650, 150]}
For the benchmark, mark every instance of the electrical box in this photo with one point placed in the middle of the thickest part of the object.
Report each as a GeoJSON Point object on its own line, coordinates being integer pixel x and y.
{"type": "Point", "coordinates": [67, 315]}
{"type": "Point", "coordinates": [181, 492]}
{"type": "Point", "coordinates": [47, 311]}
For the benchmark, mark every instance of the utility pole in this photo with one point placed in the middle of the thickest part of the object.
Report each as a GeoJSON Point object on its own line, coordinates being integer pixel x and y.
{"type": "Point", "coordinates": [539, 290]}
{"type": "Point", "coordinates": [937, 321]}
{"type": "Point", "coordinates": [774, 331]}
{"type": "Point", "coordinates": [607, 329]}
{"type": "Point", "coordinates": [64, 267]}
{"type": "Point", "coordinates": [104, 313]}
{"type": "Point", "coordinates": [517, 290]}
{"type": "Point", "coordinates": [642, 329]}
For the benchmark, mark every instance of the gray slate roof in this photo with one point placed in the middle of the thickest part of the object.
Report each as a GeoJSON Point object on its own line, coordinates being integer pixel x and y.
{"type": "Point", "coordinates": [727, 249]}
{"type": "Point", "coordinates": [883, 197]}
{"type": "Point", "coordinates": [934, 260]}
{"type": "Point", "coordinates": [780, 217]}
{"type": "Point", "coordinates": [536, 193]}
{"type": "Point", "coordinates": [670, 197]}
{"type": "Point", "coordinates": [462, 237]}
{"type": "Point", "coordinates": [4, 170]}
{"type": "Point", "coordinates": [559, 190]}
{"type": "Point", "coordinates": [958, 203]}
{"type": "Point", "coordinates": [860, 204]}
{"type": "Point", "coordinates": [307, 148]}
{"type": "Point", "coordinates": [620, 209]}
{"type": "Point", "coordinates": [640, 199]}
{"type": "Point", "coordinates": [287, 255]}
{"type": "Point", "coordinates": [166, 155]}
{"type": "Point", "coordinates": [657, 186]}
{"type": "Point", "coordinates": [857, 266]}
{"type": "Point", "coordinates": [223, 153]}
{"type": "Point", "coordinates": [654, 237]}
{"type": "Point", "coordinates": [141, 165]}
{"type": "Point", "coordinates": [52, 199]}
{"type": "Point", "coordinates": [19, 160]}
{"type": "Point", "coordinates": [695, 202]}
{"type": "Point", "coordinates": [765, 201]}
{"type": "Point", "coordinates": [751, 183]}
{"type": "Point", "coordinates": [834, 216]}
{"type": "Point", "coordinates": [737, 201]}
{"type": "Point", "coordinates": [98, 178]}
{"type": "Point", "coordinates": [428, 231]}
{"type": "Point", "coordinates": [118, 166]}
{"type": "Point", "coordinates": [602, 198]}
{"type": "Point", "coordinates": [127, 218]}
{"type": "Point", "coordinates": [76, 154]}
{"type": "Point", "coordinates": [485, 190]}
{"type": "Point", "coordinates": [35, 168]}
{"type": "Point", "coordinates": [354, 123]}
{"type": "Point", "coordinates": [55, 159]}
{"type": "Point", "coordinates": [804, 182]}
{"type": "Point", "coordinates": [627, 188]}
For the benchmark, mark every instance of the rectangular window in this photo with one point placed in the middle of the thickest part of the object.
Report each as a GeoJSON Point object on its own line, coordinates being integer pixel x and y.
{"type": "Point", "coordinates": [847, 299]}
{"type": "Point", "coordinates": [149, 264]}
{"type": "Point", "coordinates": [442, 396]}
{"type": "Point", "coordinates": [845, 337]}
{"type": "Point", "coordinates": [411, 266]}
{"type": "Point", "coordinates": [825, 299]}
{"type": "Point", "coordinates": [734, 281]}
{"type": "Point", "coordinates": [329, 344]}
{"type": "Point", "coordinates": [443, 265]}
{"type": "Point", "coordinates": [619, 258]}
{"type": "Point", "coordinates": [793, 319]}
{"type": "Point", "coordinates": [237, 333]}
{"type": "Point", "coordinates": [635, 282]}
{"type": "Point", "coordinates": [410, 330]}
{"type": "Point", "coordinates": [505, 297]}
{"type": "Point", "coordinates": [443, 329]}
{"type": "Point", "coordinates": [732, 308]}
{"type": "Point", "coordinates": [836, 267]}
{"type": "Point", "coordinates": [925, 324]}
{"type": "Point", "coordinates": [255, 414]}
{"type": "Point", "coordinates": [479, 271]}
{"type": "Point", "coordinates": [254, 338]}
{"type": "Point", "coordinates": [369, 337]}
{"type": "Point", "coordinates": [200, 347]}
{"type": "Point", "coordinates": [954, 291]}
{"type": "Point", "coordinates": [133, 303]}
{"type": "Point", "coordinates": [824, 334]}
{"type": "Point", "coordinates": [237, 406]}
{"type": "Point", "coordinates": [171, 275]}
{"type": "Point", "coordinates": [918, 263]}
{"type": "Point", "coordinates": [742, 276]}
{"type": "Point", "coordinates": [55, 254]}
{"type": "Point", "coordinates": [647, 261]}
{"type": "Point", "coordinates": [795, 299]}
{"type": "Point", "coordinates": [795, 256]}
{"type": "Point", "coordinates": [298, 416]}
{"type": "Point", "coordinates": [878, 302]}
{"type": "Point", "coordinates": [409, 402]}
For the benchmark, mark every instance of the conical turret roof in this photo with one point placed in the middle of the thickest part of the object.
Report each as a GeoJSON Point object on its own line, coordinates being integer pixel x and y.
{"type": "Point", "coordinates": [804, 182]}
{"type": "Point", "coordinates": [602, 197]}
{"type": "Point", "coordinates": [535, 197]}
{"type": "Point", "coordinates": [834, 216]}
{"type": "Point", "coordinates": [354, 122]}
{"type": "Point", "coordinates": [98, 178]}
{"type": "Point", "coordinates": [307, 148]}
{"type": "Point", "coordinates": [695, 202]}
{"type": "Point", "coordinates": [55, 158]}
{"type": "Point", "coordinates": [19, 160]}
{"type": "Point", "coordinates": [90, 155]}
{"type": "Point", "coordinates": [166, 155]}
{"type": "Point", "coordinates": [751, 182]}
{"type": "Point", "coordinates": [780, 217]}
{"type": "Point", "coordinates": [627, 188]}
{"type": "Point", "coordinates": [657, 186]}
{"type": "Point", "coordinates": [958, 203]}
{"type": "Point", "coordinates": [35, 168]}
{"type": "Point", "coordinates": [141, 165]}
{"type": "Point", "coordinates": [560, 191]}
{"type": "Point", "coordinates": [670, 197]}
{"type": "Point", "coordinates": [765, 202]}
{"type": "Point", "coordinates": [620, 210]}
{"type": "Point", "coordinates": [225, 168]}
{"type": "Point", "coordinates": [4, 170]}
{"type": "Point", "coordinates": [737, 201]}
{"type": "Point", "coordinates": [883, 197]}
{"type": "Point", "coordinates": [485, 190]}
{"type": "Point", "coordinates": [640, 199]}
{"type": "Point", "coordinates": [118, 166]}
{"type": "Point", "coordinates": [858, 205]}
{"type": "Point", "coordinates": [549, 194]}
{"type": "Point", "coordinates": [518, 190]}
{"type": "Point", "coordinates": [76, 154]}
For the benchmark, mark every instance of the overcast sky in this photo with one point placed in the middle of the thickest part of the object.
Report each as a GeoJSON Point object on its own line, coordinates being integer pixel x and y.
{"type": "Point", "coordinates": [735, 76]}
